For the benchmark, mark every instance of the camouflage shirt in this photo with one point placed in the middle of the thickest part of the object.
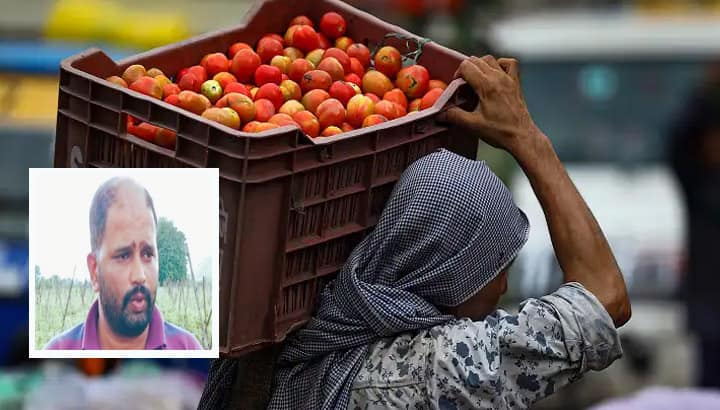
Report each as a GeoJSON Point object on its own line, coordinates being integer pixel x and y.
{"type": "Point", "coordinates": [506, 361]}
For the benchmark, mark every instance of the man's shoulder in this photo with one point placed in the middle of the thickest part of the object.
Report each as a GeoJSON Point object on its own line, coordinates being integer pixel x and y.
{"type": "Point", "coordinates": [396, 361]}
{"type": "Point", "coordinates": [70, 339]}
{"type": "Point", "coordinates": [178, 338]}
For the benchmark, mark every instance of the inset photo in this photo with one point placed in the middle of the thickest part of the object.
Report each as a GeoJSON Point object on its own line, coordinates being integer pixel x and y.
{"type": "Point", "coordinates": [123, 262]}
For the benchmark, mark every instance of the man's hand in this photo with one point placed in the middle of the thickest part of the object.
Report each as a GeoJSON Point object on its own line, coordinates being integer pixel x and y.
{"type": "Point", "coordinates": [501, 118]}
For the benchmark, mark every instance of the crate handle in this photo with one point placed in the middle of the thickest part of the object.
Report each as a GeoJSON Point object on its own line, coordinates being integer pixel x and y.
{"type": "Point", "coordinates": [297, 193]}
{"type": "Point", "coordinates": [458, 94]}
{"type": "Point", "coordinates": [76, 157]}
{"type": "Point", "coordinates": [325, 153]}
{"type": "Point", "coordinates": [410, 57]}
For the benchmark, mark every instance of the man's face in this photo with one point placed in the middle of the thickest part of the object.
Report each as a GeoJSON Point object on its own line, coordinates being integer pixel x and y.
{"type": "Point", "coordinates": [126, 273]}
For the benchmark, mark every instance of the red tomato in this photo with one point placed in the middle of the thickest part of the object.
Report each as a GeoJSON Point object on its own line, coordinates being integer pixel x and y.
{"type": "Point", "coordinates": [333, 25]}
{"type": "Point", "coordinates": [413, 80]}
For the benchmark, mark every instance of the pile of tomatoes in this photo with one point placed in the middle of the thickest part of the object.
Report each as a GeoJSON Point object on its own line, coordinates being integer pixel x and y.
{"type": "Point", "coordinates": [314, 77]}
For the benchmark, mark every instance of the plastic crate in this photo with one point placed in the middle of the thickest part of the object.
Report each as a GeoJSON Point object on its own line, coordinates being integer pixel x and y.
{"type": "Point", "coordinates": [291, 208]}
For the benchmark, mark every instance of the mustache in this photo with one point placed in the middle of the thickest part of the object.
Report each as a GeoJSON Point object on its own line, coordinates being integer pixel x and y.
{"type": "Point", "coordinates": [137, 289]}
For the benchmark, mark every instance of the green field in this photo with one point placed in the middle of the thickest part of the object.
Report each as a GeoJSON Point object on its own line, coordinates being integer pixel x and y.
{"type": "Point", "coordinates": [60, 306]}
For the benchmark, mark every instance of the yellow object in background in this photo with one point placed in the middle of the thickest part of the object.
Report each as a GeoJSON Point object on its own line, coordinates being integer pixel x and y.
{"type": "Point", "coordinates": [5, 88]}
{"type": "Point", "coordinates": [35, 99]}
{"type": "Point", "coordinates": [151, 30]}
{"type": "Point", "coordinates": [30, 100]}
{"type": "Point", "coordinates": [108, 21]}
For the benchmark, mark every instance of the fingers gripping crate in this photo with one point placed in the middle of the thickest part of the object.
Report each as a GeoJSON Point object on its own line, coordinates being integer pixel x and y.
{"type": "Point", "coordinates": [291, 208]}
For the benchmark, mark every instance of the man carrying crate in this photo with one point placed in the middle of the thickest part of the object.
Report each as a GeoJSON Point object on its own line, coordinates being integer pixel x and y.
{"type": "Point", "coordinates": [412, 320]}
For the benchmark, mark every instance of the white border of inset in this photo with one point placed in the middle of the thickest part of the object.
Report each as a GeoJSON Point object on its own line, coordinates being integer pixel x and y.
{"type": "Point", "coordinates": [213, 352]}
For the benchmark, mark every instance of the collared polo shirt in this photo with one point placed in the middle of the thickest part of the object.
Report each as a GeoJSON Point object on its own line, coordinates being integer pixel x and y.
{"type": "Point", "coordinates": [162, 335]}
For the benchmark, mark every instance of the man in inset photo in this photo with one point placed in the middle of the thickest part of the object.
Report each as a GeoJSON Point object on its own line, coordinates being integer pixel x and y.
{"type": "Point", "coordinates": [124, 272]}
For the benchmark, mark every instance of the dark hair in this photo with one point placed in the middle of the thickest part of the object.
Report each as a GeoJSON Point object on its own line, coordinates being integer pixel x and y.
{"type": "Point", "coordinates": [102, 200]}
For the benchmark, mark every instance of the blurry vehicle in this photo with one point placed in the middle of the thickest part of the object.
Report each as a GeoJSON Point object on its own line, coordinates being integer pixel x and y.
{"type": "Point", "coordinates": [605, 88]}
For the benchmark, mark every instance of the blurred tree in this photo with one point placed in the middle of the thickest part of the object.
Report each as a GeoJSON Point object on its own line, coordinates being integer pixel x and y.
{"type": "Point", "coordinates": [171, 252]}
{"type": "Point", "coordinates": [37, 273]}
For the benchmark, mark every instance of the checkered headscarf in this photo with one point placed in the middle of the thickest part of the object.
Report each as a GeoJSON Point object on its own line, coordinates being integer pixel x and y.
{"type": "Point", "coordinates": [449, 227]}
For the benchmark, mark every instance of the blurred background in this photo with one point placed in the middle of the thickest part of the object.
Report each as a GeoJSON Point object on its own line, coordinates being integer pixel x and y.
{"type": "Point", "coordinates": [628, 91]}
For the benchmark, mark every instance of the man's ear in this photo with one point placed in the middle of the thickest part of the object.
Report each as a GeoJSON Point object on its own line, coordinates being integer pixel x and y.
{"type": "Point", "coordinates": [92, 268]}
